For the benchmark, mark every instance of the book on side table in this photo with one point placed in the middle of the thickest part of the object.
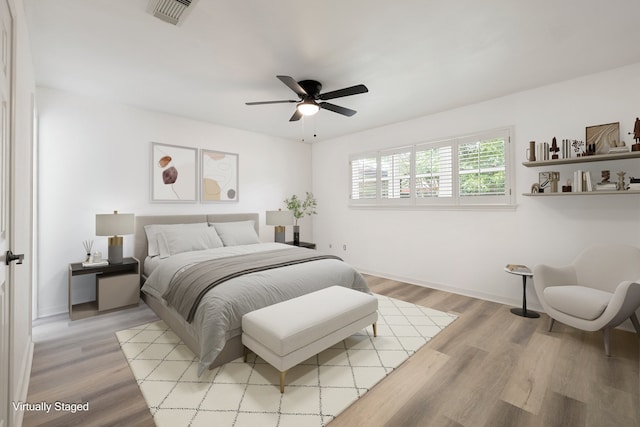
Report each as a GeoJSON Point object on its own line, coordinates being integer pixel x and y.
{"type": "Point", "coordinates": [517, 269]}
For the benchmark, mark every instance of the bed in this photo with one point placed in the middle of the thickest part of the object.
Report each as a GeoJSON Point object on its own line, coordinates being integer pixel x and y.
{"type": "Point", "coordinates": [182, 255]}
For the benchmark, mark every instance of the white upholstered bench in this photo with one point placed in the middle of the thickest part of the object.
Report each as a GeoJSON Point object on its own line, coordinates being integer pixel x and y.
{"type": "Point", "coordinates": [290, 332]}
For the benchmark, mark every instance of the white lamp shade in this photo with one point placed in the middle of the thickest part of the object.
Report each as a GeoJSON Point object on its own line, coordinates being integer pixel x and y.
{"type": "Point", "coordinates": [115, 224]}
{"type": "Point", "coordinates": [279, 217]}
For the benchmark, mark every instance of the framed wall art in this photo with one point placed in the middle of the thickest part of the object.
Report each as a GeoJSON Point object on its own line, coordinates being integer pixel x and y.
{"type": "Point", "coordinates": [603, 137]}
{"type": "Point", "coordinates": [218, 176]}
{"type": "Point", "coordinates": [173, 173]}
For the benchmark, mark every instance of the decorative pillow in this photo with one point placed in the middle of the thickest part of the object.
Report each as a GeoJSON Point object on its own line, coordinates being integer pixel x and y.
{"type": "Point", "coordinates": [152, 231]}
{"type": "Point", "coordinates": [175, 240]}
{"type": "Point", "coordinates": [236, 233]}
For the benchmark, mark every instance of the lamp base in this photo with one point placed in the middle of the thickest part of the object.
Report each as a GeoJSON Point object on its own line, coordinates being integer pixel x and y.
{"type": "Point", "coordinates": [279, 234]}
{"type": "Point", "coordinates": [115, 250]}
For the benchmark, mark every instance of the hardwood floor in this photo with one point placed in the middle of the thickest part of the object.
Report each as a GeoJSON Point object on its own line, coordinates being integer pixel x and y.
{"type": "Point", "coordinates": [489, 368]}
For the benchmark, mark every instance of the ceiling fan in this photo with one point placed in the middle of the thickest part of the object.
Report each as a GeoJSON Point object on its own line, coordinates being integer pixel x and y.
{"type": "Point", "coordinates": [309, 93]}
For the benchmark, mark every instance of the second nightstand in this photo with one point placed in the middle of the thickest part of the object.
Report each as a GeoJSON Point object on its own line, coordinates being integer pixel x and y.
{"type": "Point", "coordinates": [303, 245]}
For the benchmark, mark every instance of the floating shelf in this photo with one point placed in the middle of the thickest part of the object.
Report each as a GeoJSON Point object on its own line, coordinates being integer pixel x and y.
{"type": "Point", "coordinates": [585, 159]}
{"type": "Point", "coordinates": [584, 193]}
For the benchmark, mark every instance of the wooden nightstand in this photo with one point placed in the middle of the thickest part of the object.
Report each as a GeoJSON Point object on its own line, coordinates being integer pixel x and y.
{"type": "Point", "coordinates": [117, 286]}
{"type": "Point", "coordinates": [303, 245]}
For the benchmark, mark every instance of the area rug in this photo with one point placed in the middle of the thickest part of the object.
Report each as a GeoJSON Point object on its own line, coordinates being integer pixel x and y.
{"type": "Point", "coordinates": [240, 394]}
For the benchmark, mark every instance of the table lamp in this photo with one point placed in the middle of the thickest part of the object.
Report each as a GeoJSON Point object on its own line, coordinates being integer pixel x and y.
{"type": "Point", "coordinates": [279, 218]}
{"type": "Point", "coordinates": [112, 225]}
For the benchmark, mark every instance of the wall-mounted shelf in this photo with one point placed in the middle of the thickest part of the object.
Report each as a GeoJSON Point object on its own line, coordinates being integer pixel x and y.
{"type": "Point", "coordinates": [584, 193]}
{"type": "Point", "coordinates": [585, 159]}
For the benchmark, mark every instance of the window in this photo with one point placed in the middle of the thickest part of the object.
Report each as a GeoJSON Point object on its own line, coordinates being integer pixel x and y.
{"type": "Point", "coordinates": [395, 175]}
{"type": "Point", "coordinates": [470, 170]}
{"type": "Point", "coordinates": [364, 172]}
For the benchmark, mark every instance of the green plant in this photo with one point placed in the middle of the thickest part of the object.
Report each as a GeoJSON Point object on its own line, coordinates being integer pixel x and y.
{"type": "Point", "coordinates": [301, 207]}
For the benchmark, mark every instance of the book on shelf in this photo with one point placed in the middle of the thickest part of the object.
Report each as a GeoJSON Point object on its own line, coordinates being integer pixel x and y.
{"type": "Point", "coordinates": [613, 150]}
{"type": "Point", "coordinates": [517, 268]}
{"type": "Point", "coordinates": [95, 264]}
{"type": "Point", "coordinates": [609, 186]}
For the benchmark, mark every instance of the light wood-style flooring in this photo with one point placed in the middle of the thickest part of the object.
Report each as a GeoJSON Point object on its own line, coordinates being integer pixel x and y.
{"type": "Point", "coordinates": [489, 368]}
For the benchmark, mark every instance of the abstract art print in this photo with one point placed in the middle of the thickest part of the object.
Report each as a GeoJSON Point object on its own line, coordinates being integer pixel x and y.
{"type": "Point", "coordinates": [173, 173]}
{"type": "Point", "coordinates": [219, 176]}
{"type": "Point", "coordinates": [603, 137]}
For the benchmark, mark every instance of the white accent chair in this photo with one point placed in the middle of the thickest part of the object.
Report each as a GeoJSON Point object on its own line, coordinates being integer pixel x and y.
{"type": "Point", "coordinates": [598, 291]}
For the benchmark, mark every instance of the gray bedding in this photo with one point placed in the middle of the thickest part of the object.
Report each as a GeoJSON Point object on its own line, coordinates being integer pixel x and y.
{"type": "Point", "coordinates": [219, 315]}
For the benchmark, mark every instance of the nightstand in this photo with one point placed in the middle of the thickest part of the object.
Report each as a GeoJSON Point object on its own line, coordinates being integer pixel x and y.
{"type": "Point", "coordinates": [117, 286]}
{"type": "Point", "coordinates": [303, 245]}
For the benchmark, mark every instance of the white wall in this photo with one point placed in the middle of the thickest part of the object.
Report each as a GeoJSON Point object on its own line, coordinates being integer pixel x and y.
{"type": "Point", "coordinates": [465, 250]}
{"type": "Point", "coordinates": [94, 158]}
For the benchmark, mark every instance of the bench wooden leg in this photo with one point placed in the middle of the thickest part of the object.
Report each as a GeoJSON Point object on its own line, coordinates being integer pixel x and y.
{"type": "Point", "coordinates": [282, 374]}
{"type": "Point", "coordinates": [245, 354]}
{"type": "Point", "coordinates": [375, 329]}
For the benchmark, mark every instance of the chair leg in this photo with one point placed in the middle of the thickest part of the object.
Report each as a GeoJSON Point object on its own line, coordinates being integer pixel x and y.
{"type": "Point", "coordinates": [551, 322]}
{"type": "Point", "coordinates": [606, 333]}
{"type": "Point", "coordinates": [636, 324]}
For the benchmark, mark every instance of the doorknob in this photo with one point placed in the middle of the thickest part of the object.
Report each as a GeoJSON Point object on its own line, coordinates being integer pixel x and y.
{"type": "Point", "coordinates": [10, 257]}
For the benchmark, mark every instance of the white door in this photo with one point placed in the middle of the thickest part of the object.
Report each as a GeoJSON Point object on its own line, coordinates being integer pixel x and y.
{"type": "Point", "coordinates": [6, 43]}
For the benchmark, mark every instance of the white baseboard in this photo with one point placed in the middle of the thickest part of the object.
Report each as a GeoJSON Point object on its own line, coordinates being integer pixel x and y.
{"type": "Point", "coordinates": [625, 326]}
{"type": "Point", "coordinates": [455, 290]}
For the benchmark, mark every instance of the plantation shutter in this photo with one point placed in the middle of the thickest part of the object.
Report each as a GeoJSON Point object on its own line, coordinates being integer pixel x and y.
{"type": "Point", "coordinates": [395, 174]}
{"type": "Point", "coordinates": [364, 172]}
{"type": "Point", "coordinates": [482, 167]}
{"type": "Point", "coordinates": [433, 172]}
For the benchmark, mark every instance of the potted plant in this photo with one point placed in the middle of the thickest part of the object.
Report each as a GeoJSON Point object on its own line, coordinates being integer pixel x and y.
{"type": "Point", "coordinates": [300, 208]}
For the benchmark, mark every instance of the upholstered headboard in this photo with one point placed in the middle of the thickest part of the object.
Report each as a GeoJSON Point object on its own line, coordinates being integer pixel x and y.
{"type": "Point", "coordinates": [140, 250]}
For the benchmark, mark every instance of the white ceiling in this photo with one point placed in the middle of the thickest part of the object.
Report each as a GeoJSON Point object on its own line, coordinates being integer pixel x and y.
{"type": "Point", "coordinates": [417, 57]}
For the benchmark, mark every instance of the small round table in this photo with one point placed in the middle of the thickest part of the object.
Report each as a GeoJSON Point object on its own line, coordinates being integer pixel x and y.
{"type": "Point", "coordinates": [522, 270]}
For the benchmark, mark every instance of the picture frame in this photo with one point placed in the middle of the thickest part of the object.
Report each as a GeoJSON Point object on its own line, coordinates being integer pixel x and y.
{"type": "Point", "coordinates": [219, 176]}
{"type": "Point", "coordinates": [174, 175]}
{"type": "Point", "coordinates": [604, 137]}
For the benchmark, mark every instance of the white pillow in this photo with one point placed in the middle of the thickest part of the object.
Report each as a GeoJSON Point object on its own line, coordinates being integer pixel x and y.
{"type": "Point", "coordinates": [152, 231]}
{"type": "Point", "coordinates": [175, 240]}
{"type": "Point", "coordinates": [236, 233]}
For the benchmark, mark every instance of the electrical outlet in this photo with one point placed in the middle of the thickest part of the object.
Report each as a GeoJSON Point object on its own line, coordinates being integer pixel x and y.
{"type": "Point", "coordinates": [330, 245]}
{"type": "Point", "coordinates": [344, 247]}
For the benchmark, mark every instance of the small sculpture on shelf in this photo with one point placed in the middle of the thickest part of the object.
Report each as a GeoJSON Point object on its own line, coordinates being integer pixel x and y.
{"type": "Point", "coordinates": [577, 147]}
{"type": "Point", "coordinates": [567, 188]}
{"type": "Point", "coordinates": [636, 135]}
{"type": "Point", "coordinates": [591, 149]}
{"type": "Point", "coordinates": [554, 177]}
{"type": "Point", "coordinates": [554, 148]}
{"type": "Point", "coordinates": [621, 186]}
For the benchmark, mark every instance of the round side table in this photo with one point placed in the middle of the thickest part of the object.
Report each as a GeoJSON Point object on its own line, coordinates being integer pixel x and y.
{"type": "Point", "coordinates": [524, 271]}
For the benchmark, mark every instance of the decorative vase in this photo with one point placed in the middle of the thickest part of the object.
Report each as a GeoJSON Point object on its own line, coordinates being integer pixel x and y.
{"type": "Point", "coordinates": [296, 235]}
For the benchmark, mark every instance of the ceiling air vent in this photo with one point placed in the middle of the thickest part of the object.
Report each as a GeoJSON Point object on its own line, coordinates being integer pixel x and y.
{"type": "Point", "coordinates": [171, 11]}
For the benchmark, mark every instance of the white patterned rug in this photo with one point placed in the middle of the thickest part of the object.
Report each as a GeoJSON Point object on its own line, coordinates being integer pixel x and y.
{"type": "Point", "coordinates": [241, 394]}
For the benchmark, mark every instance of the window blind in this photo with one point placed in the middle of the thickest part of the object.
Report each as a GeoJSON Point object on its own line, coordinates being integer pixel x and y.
{"type": "Point", "coordinates": [481, 166]}
{"type": "Point", "coordinates": [395, 175]}
{"type": "Point", "coordinates": [364, 172]}
{"type": "Point", "coordinates": [434, 174]}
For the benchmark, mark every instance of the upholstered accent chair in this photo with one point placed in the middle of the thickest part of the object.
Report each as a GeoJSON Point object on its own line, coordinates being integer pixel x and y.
{"type": "Point", "coordinates": [598, 291]}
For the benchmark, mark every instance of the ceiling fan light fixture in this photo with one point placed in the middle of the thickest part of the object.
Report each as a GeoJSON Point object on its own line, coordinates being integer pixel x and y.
{"type": "Point", "coordinates": [308, 108]}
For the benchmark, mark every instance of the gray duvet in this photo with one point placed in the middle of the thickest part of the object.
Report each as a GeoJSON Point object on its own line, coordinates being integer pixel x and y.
{"type": "Point", "coordinates": [219, 315]}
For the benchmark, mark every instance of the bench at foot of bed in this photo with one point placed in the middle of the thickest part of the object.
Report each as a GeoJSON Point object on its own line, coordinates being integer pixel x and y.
{"type": "Point", "coordinates": [288, 333]}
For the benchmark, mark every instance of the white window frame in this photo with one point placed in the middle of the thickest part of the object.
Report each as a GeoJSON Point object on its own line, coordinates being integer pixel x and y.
{"type": "Point", "coordinates": [456, 200]}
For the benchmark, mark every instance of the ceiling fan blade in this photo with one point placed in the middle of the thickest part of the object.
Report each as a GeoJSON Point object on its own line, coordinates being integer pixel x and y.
{"type": "Point", "coordinates": [337, 109]}
{"type": "Point", "coordinates": [293, 85]}
{"type": "Point", "coordinates": [353, 90]}
{"type": "Point", "coordinates": [296, 116]}
{"type": "Point", "coordinates": [270, 102]}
